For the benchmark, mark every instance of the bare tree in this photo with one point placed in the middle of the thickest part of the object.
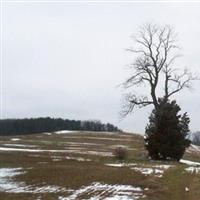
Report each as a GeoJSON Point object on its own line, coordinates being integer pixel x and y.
{"type": "Point", "coordinates": [195, 138]}
{"type": "Point", "coordinates": [156, 49]}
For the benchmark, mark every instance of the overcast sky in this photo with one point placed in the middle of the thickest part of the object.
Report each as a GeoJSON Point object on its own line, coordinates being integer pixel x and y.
{"type": "Point", "coordinates": [66, 60]}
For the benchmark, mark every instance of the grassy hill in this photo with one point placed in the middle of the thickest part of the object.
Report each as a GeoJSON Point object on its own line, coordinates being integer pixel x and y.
{"type": "Point", "coordinates": [80, 165]}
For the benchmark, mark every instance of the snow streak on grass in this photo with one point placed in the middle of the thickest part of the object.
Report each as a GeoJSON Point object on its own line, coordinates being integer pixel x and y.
{"type": "Point", "coordinates": [19, 145]}
{"type": "Point", "coordinates": [149, 171]}
{"type": "Point", "coordinates": [94, 191]}
{"type": "Point", "coordinates": [97, 191]}
{"type": "Point", "coordinates": [156, 170]}
{"type": "Point", "coordinates": [72, 150]}
{"type": "Point", "coordinates": [8, 185]}
{"type": "Point", "coordinates": [121, 164]}
{"type": "Point", "coordinates": [188, 162]}
{"type": "Point", "coordinates": [194, 166]}
{"type": "Point", "coordinates": [6, 174]}
{"type": "Point", "coordinates": [64, 132]}
{"type": "Point", "coordinates": [80, 159]}
{"type": "Point", "coordinates": [15, 139]}
{"type": "Point", "coordinates": [193, 169]}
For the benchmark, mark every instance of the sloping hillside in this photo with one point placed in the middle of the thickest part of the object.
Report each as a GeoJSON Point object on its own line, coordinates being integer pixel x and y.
{"type": "Point", "coordinates": [80, 165]}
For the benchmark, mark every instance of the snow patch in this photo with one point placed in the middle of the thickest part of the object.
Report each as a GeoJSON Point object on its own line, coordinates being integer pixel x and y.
{"type": "Point", "coordinates": [187, 189]}
{"type": "Point", "coordinates": [116, 146]}
{"type": "Point", "coordinates": [64, 132]}
{"type": "Point", "coordinates": [19, 145]}
{"type": "Point", "coordinates": [115, 165]}
{"type": "Point", "coordinates": [48, 189]}
{"type": "Point", "coordinates": [98, 153]}
{"type": "Point", "coordinates": [81, 143]}
{"type": "Point", "coordinates": [9, 172]}
{"type": "Point", "coordinates": [188, 162]}
{"type": "Point", "coordinates": [15, 139]}
{"type": "Point", "coordinates": [145, 171]}
{"type": "Point", "coordinates": [116, 197]}
{"type": "Point", "coordinates": [100, 138]}
{"type": "Point", "coordinates": [47, 133]}
{"type": "Point", "coordinates": [97, 191]}
{"type": "Point", "coordinates": [120, 164]}
{"type": "Point", "coordinates": [156, 170]}
{"type": "Point", "coordinates": [30, 150]}
{"type": "Point", "coordinates": [76, 151]}
{"type": "Point", "coordinates": [80, 159]}
{"type": "Point", "coordinates": [6, 175]}
{"type": "Point", "coordinates": [8, 185]}
{"type": "Point", "coordinates": [193, 169]}
{"type": "Point", "coordinates": [162, 166]}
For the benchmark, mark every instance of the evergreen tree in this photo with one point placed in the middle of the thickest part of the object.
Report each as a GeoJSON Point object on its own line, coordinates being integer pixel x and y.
{"type": "Point", "coordinates": [167, 131]}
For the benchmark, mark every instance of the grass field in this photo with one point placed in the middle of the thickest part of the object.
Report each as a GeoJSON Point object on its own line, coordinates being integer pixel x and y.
{"type": "Point", "coordinates": [80, 165]}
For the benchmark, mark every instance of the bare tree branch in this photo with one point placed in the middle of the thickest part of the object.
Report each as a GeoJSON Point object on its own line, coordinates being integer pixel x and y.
{"type": "Point", "coordinates": [181, 81]}
{"type": "Point", "coordinates": [131, 101]}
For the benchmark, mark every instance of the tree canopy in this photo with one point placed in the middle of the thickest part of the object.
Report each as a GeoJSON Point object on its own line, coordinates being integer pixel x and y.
{"type": "Point", "coordinates": [156, 51]}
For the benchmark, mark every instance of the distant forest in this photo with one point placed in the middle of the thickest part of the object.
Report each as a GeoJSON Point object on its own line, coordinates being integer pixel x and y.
{"type": "Point", "coordinates": [47, 124]}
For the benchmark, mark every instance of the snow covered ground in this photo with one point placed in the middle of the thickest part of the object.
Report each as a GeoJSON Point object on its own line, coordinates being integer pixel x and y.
{"type": "Point", "coordinates": [71, 156]}
{"type": "Point", "coordinates": [95, 191]}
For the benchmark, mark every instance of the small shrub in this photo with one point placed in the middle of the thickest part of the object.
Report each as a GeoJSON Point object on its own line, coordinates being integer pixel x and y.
{"type": "Point", "coordinates": [120, 153]}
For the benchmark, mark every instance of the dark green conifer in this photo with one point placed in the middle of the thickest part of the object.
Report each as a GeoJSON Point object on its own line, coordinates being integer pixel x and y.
{"type": "Point", "coordinates": [167, 131]}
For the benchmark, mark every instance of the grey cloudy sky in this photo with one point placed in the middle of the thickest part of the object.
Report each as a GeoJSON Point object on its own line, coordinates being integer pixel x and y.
{"type": "Point", "coordinates": [66, 59]}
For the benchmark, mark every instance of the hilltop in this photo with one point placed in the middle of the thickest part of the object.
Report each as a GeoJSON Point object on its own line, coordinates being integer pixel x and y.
{"type": "Point", "coordinates": [67, 165]}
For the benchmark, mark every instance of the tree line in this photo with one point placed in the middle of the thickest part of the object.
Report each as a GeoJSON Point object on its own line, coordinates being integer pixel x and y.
{"type": "Point", "coordinates": [47, 124]}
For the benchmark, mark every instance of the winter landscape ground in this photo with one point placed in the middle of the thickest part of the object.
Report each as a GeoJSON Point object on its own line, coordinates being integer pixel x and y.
{"type": "Point", "coordinates": [80, 165]}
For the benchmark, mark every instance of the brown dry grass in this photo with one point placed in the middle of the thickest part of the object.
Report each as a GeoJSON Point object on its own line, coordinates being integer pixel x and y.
{"type": "Point", "coordinates": [43, 170]}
